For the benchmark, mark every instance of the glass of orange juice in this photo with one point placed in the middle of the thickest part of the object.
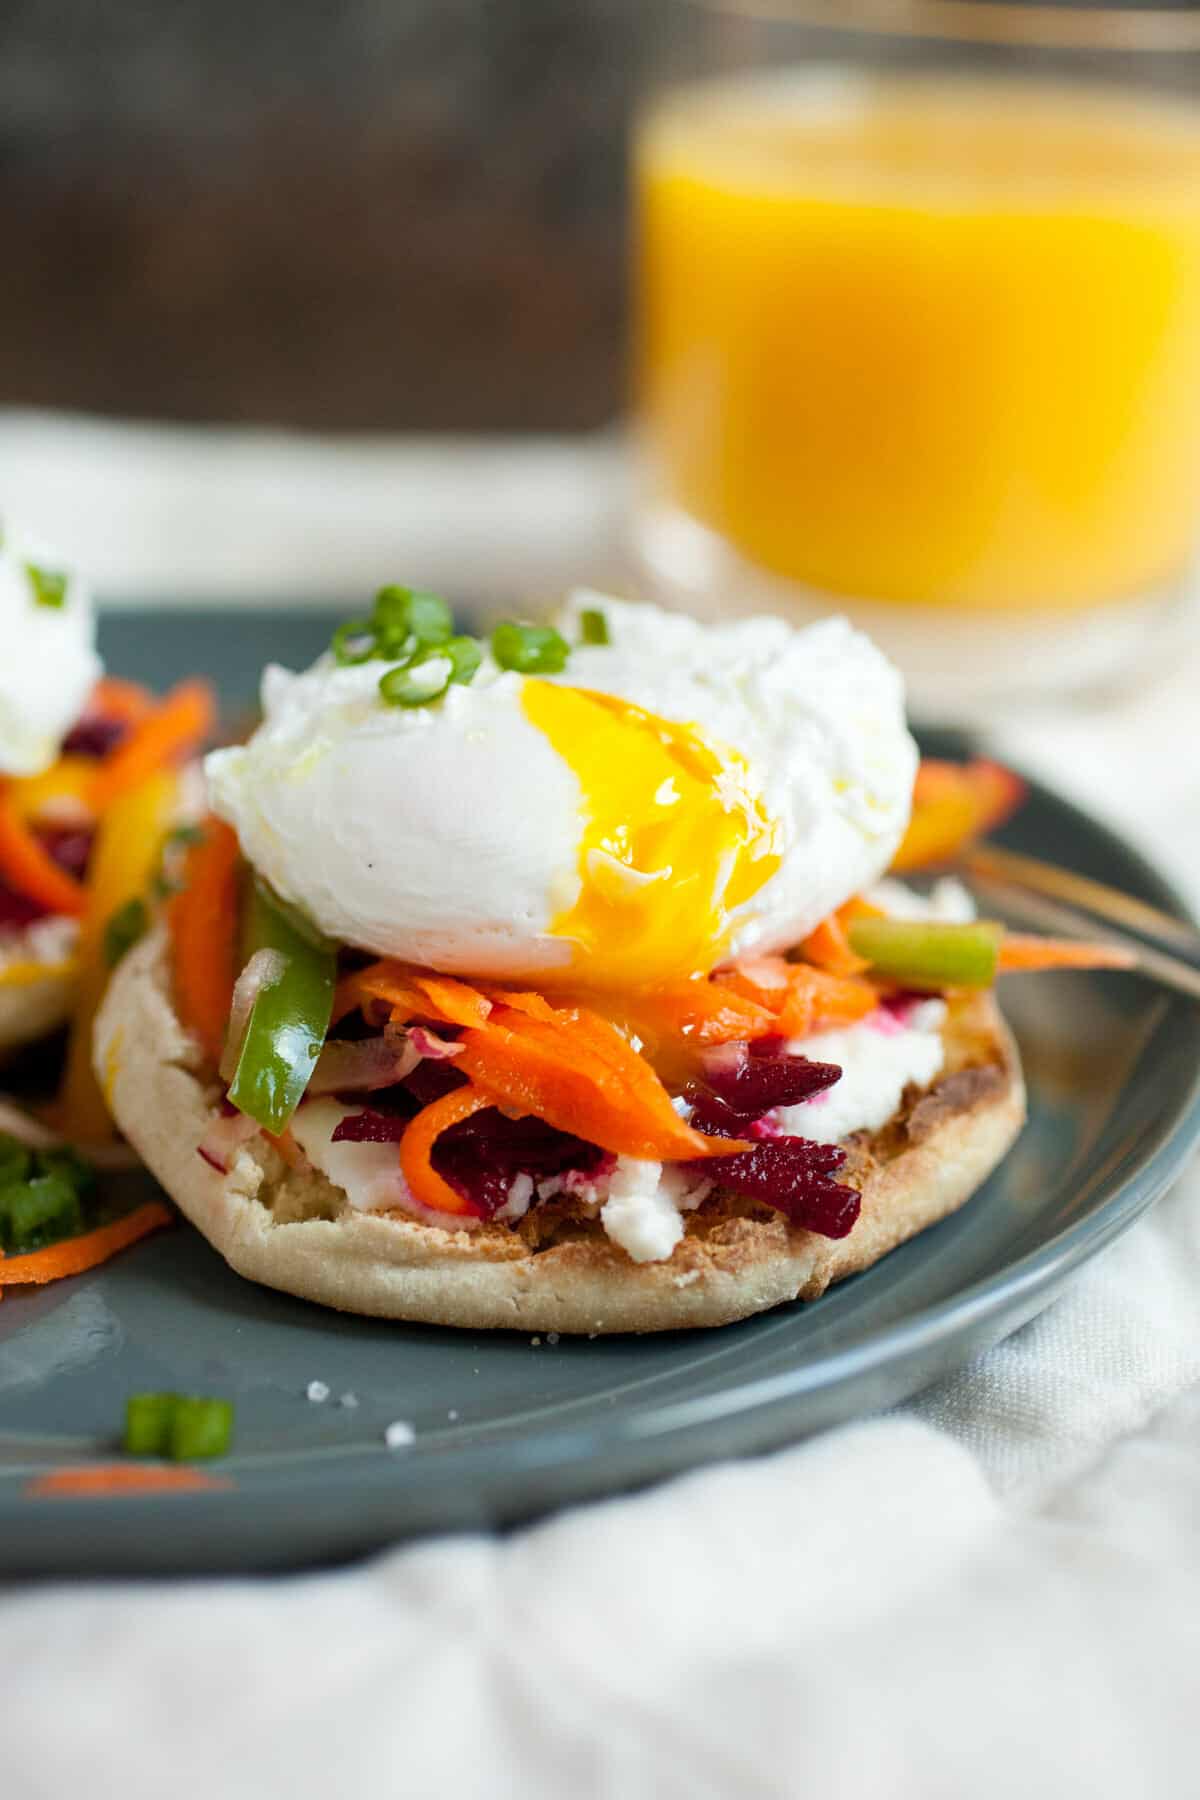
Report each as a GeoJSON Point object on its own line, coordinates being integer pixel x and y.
{"type": "Point", "coordinates": [917, 329]}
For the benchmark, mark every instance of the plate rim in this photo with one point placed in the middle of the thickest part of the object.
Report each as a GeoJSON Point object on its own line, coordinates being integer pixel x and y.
{"type": "Point", "coordinates": [634, 1446]}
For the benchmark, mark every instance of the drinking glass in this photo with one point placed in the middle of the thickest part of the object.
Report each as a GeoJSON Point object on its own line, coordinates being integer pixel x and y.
{"type": "Point", "coordinates": [917, 329]}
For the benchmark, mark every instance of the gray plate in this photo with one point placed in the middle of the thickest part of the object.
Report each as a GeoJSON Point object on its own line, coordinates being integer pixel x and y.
{"type": "Point", "coordinates": [507, 1428]}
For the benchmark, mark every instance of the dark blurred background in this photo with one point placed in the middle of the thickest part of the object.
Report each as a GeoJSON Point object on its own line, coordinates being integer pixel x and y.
{"type": "Point", "coordinates": [377, 213]}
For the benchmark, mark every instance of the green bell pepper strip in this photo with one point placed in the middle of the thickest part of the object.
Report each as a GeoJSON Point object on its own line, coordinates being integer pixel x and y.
{"type": "Point", "coordinates": [289, 1018]}
{"type": "Point", "coordinates": [929, 955]}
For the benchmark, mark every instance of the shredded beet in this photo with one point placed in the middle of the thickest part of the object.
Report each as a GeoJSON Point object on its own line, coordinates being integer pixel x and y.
{"type": "Point", "coordinates": [16, 911]}
{"type": "Point", "coordinates": [95, 734]}
{"type": "Point", "coordinates": [748, 1081]}
{"type": "Point", "coordinates": [481, 1155]}
{"type": "Point", "coordinates": [69, 845]}
{"type": "Point", "coordinates": [795, 1176]}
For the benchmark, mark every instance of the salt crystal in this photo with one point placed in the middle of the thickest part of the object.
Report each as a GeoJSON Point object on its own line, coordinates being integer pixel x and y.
{"type": "Point", "coordinates": [348, 1400]}
{"type": "Point", "coordinates": [399, 1434]}
{"type": "Point", "coordinates": [317, 1391]}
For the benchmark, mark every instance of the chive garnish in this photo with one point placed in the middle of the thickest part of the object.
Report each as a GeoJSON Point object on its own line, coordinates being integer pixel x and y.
{"type": "Point", "coordinates": [529, 649]}
{"type": "Point", "coordinates": [49, 585]}
{"type": "Point", "coordinates": [416, 684]}
{"type": "Point", "coordinates": [593, 626]}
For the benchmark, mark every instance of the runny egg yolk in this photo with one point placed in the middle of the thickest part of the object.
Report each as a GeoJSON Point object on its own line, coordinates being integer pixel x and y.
{"type": "Point", "coordinates": [675, 837]}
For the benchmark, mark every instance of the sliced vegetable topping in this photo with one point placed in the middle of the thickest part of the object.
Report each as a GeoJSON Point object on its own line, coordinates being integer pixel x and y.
{"type": "Point", "coordinates": [28, 867]}
{"type": "Point", "coordinates": [289, 1017]}
{"type": "Point", "coordinates": [49, 585]}
{"type": "Point", "coordinates": [954, 803]}
{"type": "Point", "coordinates": [72, 1256]}
{"type": "Point", "coordinates": [417, 683]}
{"type": "Point", "coordinates": [929, 955]}
{"type": "Point", "coordinates": [203, 924]}
{"type": "Point", "coordinates": [124, 861]}
{"type": "Point", "coordinates": [164, 737]}
{"type": "Point", "coordinates": [180, 1427]}
{"type": "Point", "coordinates": [125, 928]}
{"type": "Point", "coordinates": [1018, 952]}
{"type": "Point", "coordinates": [530, 649]}
{"type": "Point", "coordinates": [593, 626]}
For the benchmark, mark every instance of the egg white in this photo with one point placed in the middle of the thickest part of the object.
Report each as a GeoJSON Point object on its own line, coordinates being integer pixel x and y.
{"type": "Point", "coordinates": [449, 834]}
{"type": "Point", "coordinates": [49, 666]}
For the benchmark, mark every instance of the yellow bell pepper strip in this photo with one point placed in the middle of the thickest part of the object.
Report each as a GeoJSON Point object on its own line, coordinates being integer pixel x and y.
{"type": "Point", "coordinates": [929, 955]}
{"type": "Point", "coordinates": [953, 804]}
{"type": "Point", "coordinates": [71, 778]}
{"type": "Point", "coordinates": [124, 860]}
{"type": "Point", "coordinates": [289, 1017]}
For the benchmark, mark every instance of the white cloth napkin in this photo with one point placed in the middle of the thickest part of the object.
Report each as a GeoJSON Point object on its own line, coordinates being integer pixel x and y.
{"type": "Point", "coordinates": [995, 1590]}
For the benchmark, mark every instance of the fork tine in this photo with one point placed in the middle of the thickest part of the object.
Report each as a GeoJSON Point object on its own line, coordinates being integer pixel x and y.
{"type": "Point", "coordinates": [1018, 871]}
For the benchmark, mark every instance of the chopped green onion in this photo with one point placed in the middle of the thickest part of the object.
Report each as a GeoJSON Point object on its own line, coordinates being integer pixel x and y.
{"type": "Point", "coordinates": [39, 1212]}
{"type": "Point", "coordinates": [49, 585]}
{"type": "Point", "coordinates": [429, 618]}
{"type": "Point", "coordinates": [129, 923]}
{"type": "Point", "coordinates": [466, 654]}
{"type": "Point", "coordinates": [392, 613]}
{"type": "Point", "coordinates": [929, 955]}
{"type": "Point", "coordinates": [183, 1427]}
{"type": "Point", "coordinates": [148, 1424]}
{"type": "Point", "coordinates": [199, 1428]}
{"type": "Point", "coordinates": [529, 649]}
{"type": "Point", "coordinates": [416, 684]}
{"type": "Point", "coordinates": [353, 642]}
{"type": "Point", "coordinates": [184, 836]}
{"type": "Point", "coordinates": [593, 626]}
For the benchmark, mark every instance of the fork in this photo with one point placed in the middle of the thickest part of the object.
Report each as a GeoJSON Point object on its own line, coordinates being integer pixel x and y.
{"type": "Point", "coordinates": [1166, 949]}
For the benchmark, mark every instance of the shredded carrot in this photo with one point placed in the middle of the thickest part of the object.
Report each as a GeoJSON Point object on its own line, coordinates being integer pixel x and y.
{"type": "Point", "coordinates": [828, 947]}
{"type": "Point", "coordinates": [202, 920]}
{"type": "Point", "coordinates": [801, 999]}
{"type": "Point", "coordinates": [416, 1149]}
{"type": "Point", "coordinates": [579, 1074]}
{"type": "Point", "coordinates": [1018, 952]}
{"type": "Point", "coordinates": [75, 1255]}
{"type": "Point", "coordinates": [163, 737]}
{"type": "Point", "coordinates": [27, 866]}
{"type": "Point", "coordinates": [565, 1064]}
{"type": "Point", "coordinates": [117, 699]}
{"type": "Point", "coordinates": [100, 1480]}
{"type": "Point", "coordinates": [954, 803]}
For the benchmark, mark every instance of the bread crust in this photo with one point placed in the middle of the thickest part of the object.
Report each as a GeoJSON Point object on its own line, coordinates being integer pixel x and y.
{"type": "Point", "coordinates": [295, 1231]}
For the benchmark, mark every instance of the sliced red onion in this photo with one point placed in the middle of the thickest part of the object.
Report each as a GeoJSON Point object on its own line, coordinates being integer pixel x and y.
{"type": "Point", "coordinates": [362, 1065]}
{"type": "Point", "coordinates": [224, 1137]}
{"type": "Point", "coordinates": [263, 970]}
{"type": "Point", "coordinates": [428, 1044]}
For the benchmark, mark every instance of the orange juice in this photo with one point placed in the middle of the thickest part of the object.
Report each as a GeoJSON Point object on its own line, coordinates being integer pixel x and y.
{"type": "Point", "coordinates": [929, 340]}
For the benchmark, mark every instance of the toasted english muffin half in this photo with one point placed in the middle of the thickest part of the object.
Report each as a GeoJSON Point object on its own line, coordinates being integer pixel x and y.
{"type": "Point", "coordinates": [556, 1270]}
{"type": "Point", "coordinates": [38, 970]}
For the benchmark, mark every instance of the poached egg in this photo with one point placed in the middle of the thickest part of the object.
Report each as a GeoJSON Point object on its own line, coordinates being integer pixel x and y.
{"type": "Point", "coordinates": [50, 665]}
{"type": "Point", "coordinates": [679, 795]}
